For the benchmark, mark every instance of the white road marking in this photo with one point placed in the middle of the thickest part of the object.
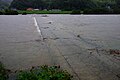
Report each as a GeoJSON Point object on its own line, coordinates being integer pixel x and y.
{"type": "Point", "coordinates": [38, 29]}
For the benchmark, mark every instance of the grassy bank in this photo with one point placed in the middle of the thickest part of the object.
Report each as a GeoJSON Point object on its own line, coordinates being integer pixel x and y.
{"type": "Point", "coordinates": [78, 12]}
{"type": "Point", "coordinates": [36, 73]}
{"type": "Point", "coordinates": [44, 12]}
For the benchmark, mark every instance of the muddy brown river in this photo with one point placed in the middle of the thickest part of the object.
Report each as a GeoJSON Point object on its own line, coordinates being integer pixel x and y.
{"type": "Point", "coordinates": [87, 46]}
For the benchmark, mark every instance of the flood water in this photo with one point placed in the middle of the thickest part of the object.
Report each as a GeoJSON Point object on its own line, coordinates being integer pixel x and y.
{"type": "Point", "coordinates": [87, 46]}
{"type": "Point", "coordinates": [102, 28]}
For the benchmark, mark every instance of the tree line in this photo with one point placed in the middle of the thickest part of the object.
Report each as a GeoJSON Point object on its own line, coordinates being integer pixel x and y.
{"type": "Point", "coordinates": [79, 6]}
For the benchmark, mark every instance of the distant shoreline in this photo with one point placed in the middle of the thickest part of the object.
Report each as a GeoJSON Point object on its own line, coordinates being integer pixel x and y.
{"type": "Point", "coordinates": [25, 12]}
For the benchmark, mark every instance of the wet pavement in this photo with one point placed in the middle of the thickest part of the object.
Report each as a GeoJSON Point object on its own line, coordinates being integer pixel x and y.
{"type": "Point", "coordinates": [88, 46]}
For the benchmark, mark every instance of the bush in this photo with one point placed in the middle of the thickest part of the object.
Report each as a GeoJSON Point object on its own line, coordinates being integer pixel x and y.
{"type": "Point", "coordinates": [97, 11]}
{"type": "Point", "coordinates": [116, 11]}
{"type": "Point", "coordinates": [88, 11]}
{"type": "Point", "coordinates": [3, 72]}
{"type": "Point", "coordinates": [10, 12]}
{"type": "Point", "coordinates": [1, 13]}
{"type": "Point", "coordinates": [44, 73]}
{"type": "Point", "coordinates": [76, 12]}
{"type": "Point", "coordinates": [24, 13]}
{"type": "Point", "coordinates": [100, 11]}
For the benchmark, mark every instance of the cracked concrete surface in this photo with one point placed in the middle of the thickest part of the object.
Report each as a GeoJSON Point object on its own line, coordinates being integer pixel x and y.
{"type": "Point", "coordinates": [79, 43]}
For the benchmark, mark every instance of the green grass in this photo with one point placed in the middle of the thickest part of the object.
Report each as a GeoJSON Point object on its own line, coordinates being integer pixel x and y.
{"type": "Point", "coordinates": [44, 12]}
{"type": "Point", "coordinates": [45, 73]}
{"type": "Point", "coordinates": [37, 73]}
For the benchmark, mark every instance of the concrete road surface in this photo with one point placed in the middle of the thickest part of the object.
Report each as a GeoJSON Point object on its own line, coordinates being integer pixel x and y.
{"type": "Point", "coordinates": [88, 46]}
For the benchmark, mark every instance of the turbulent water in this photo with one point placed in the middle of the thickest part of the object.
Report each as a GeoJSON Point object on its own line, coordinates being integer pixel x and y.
{"type": "Point", "coordinates": [88, 46]}
{"type": "Point", "coordinates": [102, 28]}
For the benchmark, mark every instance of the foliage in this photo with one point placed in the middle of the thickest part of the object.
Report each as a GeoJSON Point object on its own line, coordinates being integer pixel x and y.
{"type": "Point", "coordinates": [76, 12]}
{"type": "Point", "coordinates": [43, 12]}
{"type": "Point", "coordinates": [44, 73]}
{"type": "Point", "coordinates": [116, 10]}
{"type": "Point", "coordinates": [3, 73]}
{"type": "Point", "coordinates": [3, 4]}
{"type": "Point", "coordinates": [10, 12]}
{"type": "Point", "coordinates": [76, 6]}
{"type": "Point", "coordinates": [24, 4]}
{"type": "Point", "coordinates": [88, 6]}
{"type": "Point", "coordinates": [97, 11]}
{"type": "Point", "coordinates": [52, 4]}
{"type": "Point", "coordinates": [1, 13]}
{"type": "Point", "coordinates": [24, 13]}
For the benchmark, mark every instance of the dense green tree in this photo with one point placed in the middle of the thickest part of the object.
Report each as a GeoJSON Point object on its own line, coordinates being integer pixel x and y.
{"type": "Point", "coordinates": [53, 4]}
{"type": "Point", "coordinates": [117, 3]}
{"type": "Point", "coordinates": [88, 6]}
{"type": "Point", "coordinates": [24, 4]}
{"type": "Point", "coordinates": [3, 5]}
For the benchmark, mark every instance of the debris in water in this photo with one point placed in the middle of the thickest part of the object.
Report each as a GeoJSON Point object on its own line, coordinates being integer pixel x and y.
{"type": "Point", "coordinates": [50, 22]}
{"type": "Point", "coordinates": [46, 27]}
{"type": "Point", "coordinates": [44, 38]}
{"type": "Point", "coordinates": [38, 40]}
{"type": "Point", "coordinates": [118, 75]}
{"type": "Point", "coordinates": [90, 52]}
{"type": "Point", "coordinates": [44, 15]}
{"type": "Point", "coordinates": [112, 51]}
{"type": "Point", "coordinates": [78, 35]}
